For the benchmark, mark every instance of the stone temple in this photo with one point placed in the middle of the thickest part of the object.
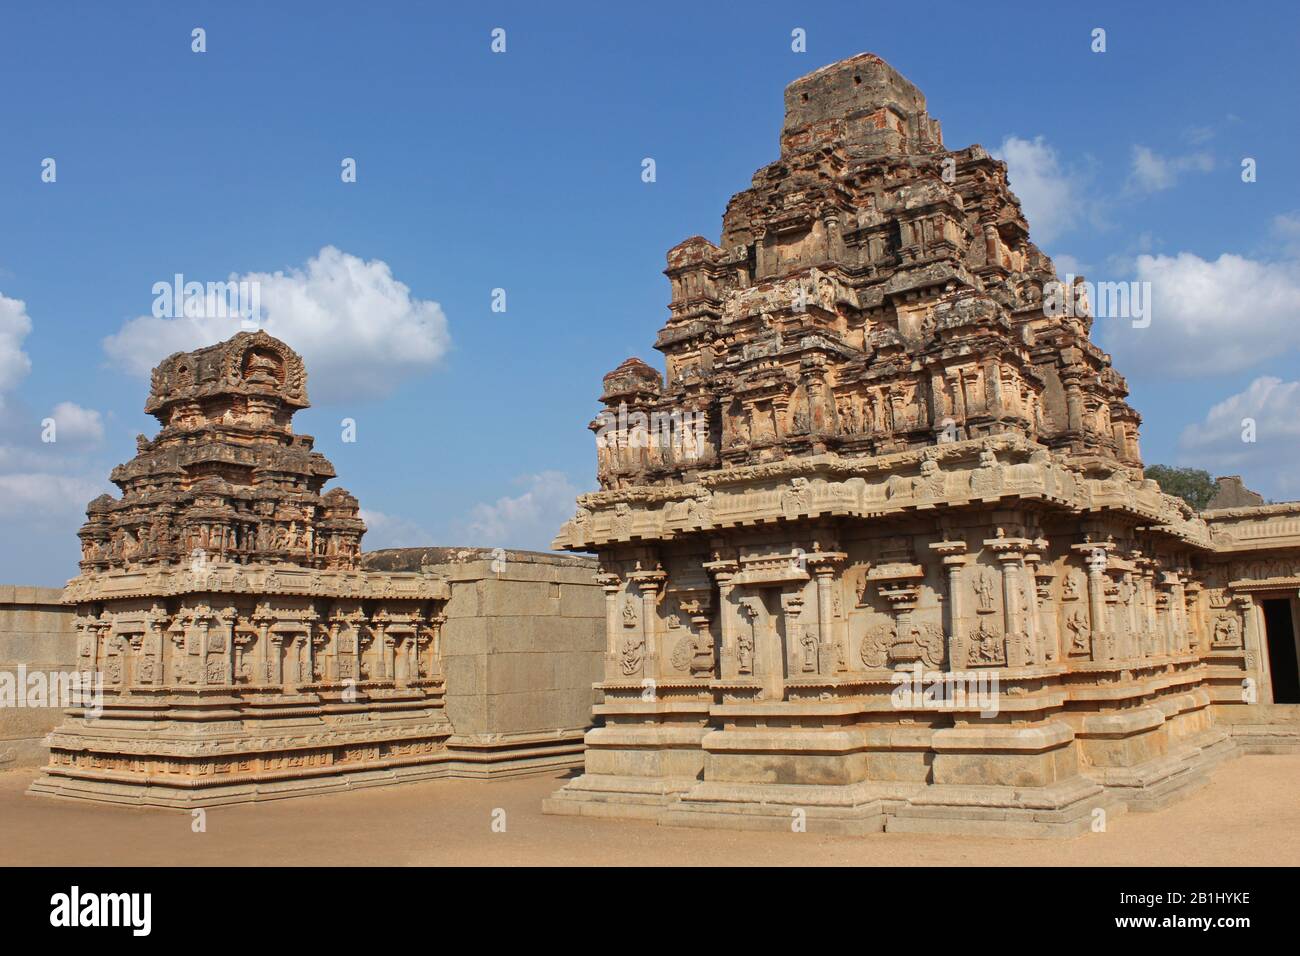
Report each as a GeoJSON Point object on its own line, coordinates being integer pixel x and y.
{"type": "Point", "coordinates": [878, 548]}
{"type": "Point", "coordinates": [249, 652]}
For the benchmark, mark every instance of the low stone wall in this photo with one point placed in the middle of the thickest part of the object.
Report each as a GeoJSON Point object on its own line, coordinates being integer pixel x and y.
{"type": "Point", "coordinates": [36, 634]}
{"type": "Point", "coordinates": [523, 644]}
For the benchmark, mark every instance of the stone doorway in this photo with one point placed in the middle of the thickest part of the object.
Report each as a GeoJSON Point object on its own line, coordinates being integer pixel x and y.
{"type": "Point", "coordinates": [1281, 640]}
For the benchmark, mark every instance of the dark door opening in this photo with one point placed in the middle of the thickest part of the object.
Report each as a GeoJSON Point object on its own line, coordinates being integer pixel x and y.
{"type": "Point", "coordinates": [1280, 637]}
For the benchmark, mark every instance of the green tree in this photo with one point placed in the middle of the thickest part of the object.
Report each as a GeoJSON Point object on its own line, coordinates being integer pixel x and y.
{"type": "Point", "coordinates": [1193, 485]}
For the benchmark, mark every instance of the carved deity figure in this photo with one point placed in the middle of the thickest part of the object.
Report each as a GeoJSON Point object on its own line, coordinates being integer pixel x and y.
{"type": "Point", "coordinates": [809, 643]}
{"type": "Point", "coordinates": [876, 645]}
{"type": "Point", "coordinates": [1227, 632]}
{"type": "Point", "coordinates": [633, 654]}
{"type": "Point", "coordinates": [987, 646]}
{"type": "Point", "coordinates": [1077, 624]}
{"type": "Point", "coordinates": [984, 590]}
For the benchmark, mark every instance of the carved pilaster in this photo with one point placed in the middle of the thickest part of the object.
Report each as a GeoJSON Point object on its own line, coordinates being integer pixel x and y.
{"type": "Point", "coordinates": [650, 584]}
{"type": "Point", "coordinates": [612, 585]}
{"type": "Point", "coordinates": [824, 565]}
{"type": "Point", "coordinates": [1017, 603]}
{"type": "Point", "coordinates": [954, 560]}
{"type": "Point", "coordinates": [1096, 556]}
{"type": "Point", "coordinates": [729, 617]}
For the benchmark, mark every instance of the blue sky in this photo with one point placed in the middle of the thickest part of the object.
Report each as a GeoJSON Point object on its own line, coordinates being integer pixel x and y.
{"type": "Point", "coordinates": [522, 171]}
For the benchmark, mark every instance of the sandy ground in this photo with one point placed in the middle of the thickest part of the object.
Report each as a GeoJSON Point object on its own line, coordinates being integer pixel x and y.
{"type": "Point", "coordinates": [1248, 814]}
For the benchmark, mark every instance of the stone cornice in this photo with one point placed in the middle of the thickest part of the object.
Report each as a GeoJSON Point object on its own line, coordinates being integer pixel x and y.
{"type": "Point", "coordinates": [950, 475]}
{"type": "Point", "coordinates": [256, 580]}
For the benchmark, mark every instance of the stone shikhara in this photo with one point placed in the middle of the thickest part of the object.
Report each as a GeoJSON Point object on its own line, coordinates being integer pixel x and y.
{"type": "Point", "coordinates": [246, 648]}
{"type": "Point", "coordinates": [908, 461]}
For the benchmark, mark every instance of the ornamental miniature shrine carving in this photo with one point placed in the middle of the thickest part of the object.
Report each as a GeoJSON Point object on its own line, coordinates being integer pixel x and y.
{"type": "Point", "coordinates": [878, 459]}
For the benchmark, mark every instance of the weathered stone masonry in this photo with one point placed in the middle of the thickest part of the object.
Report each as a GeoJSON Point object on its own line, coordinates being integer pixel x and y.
{"type": "Point", "coordinates": [874, 448]}
{"type": "Point", "coordinates": [246, 651]}
{"type": "Point", "coordinates": [36, 638]}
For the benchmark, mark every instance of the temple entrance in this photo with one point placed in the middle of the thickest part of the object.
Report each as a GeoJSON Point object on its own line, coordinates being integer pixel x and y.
{"type": "Point", "coordinates": [1280, 637]}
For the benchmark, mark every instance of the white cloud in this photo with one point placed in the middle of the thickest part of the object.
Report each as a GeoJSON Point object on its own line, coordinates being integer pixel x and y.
{"type": "Point", "coordinates": [1286, 227]}
{"type": "Point", "coordinates": [47, 494]}
{"type": "Point", "coordinates": [1152, 172]}
{"type": "Point", "coordinates": [1050, 194]}
{"type": "Point", "coordinates": [14, 327]}
{"type": "Point", "coordinates": [74, 423]}
{"type": "Point", "coordinates": [1069, 265]}
{"type": "Point", "coordinates": [528, 521]}
{"type": "Point", "coordinates": [359, 330]}
{"type": "Point", "coordinates": [44, 486]}
{"type": "Point", "coordinates": [1272, 461]}
{"type": "Point", "coordinates": [1212, 317]}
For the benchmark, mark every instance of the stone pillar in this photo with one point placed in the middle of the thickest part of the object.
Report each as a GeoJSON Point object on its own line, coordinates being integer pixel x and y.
{"type": "Point", "coordinates": [332, 668]}
{"type": "Point", "coordinates": [435, 643]}
{"type": "Point", "coordinates": [830, 657]}
{"type": "Point", "coordinates": [230, 619]}
{"type": "Point", "coordinates": [1018, 653]}
{"type": "Point", "coordinates": [827, 656]}
{"type": "Point", "coordinates": [1121, 604]}
{"type": "Point", "coordinates": [954, 559]}
{"type": "Point", "coordinates": [650, 583]}
{"type": "Point", "coordinates": [156, 643]}
{"type": "Point", "coordinates": [649, 625]}
{"type": "Point", "coordinates": [319, 640]}
{"type": "Point", "coordinates": [388, 650]}
{"type": "Point", "coordinates": [729, 619]}
{"type": "Point", "coordinates": [203, 623]}
{"type": "Point", "coordinates": [244, 643]}
{"type": "Point", "coordinates": [363, 631]}
{"type": "Point", "coordinates": [1039, 578]}
{"type": "Point", "coordinates": [1102, 638]}
{"type": "Point", "coordinates": [262, 662]}
{"type": "Point", "coordinates": [1192, 615]}
{"type": "Point", "coordinates": [1017, 628]}
{"type": "Point", "coordinates": [802, 656]}
{"type": "Point", "coordinates": [612, 585]}
{"type": "Point", "coordinates": [380, 651]}
{"type": "Point", "coordinates": [277, 647]}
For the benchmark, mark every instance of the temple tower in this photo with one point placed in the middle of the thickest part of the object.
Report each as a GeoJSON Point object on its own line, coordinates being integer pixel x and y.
{"type": "Point", "coordinates": [884, 456]}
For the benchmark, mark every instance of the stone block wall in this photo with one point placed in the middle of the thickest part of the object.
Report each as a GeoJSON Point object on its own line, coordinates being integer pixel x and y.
{"type": "Point", "coordinates": [35, 633]}
{"type": "Point", "coordinates": [522, 647]}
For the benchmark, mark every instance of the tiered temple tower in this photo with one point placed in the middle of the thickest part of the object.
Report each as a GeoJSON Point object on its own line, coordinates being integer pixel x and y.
{"type": "Point", "coordinates": [885, 447]}
{"type": "Point", "coordinates": [243, 651]}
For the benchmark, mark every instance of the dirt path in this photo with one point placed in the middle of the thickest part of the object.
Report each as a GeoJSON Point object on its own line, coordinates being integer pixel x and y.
{"type": "Point", "coordinates": [1249, 814]}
